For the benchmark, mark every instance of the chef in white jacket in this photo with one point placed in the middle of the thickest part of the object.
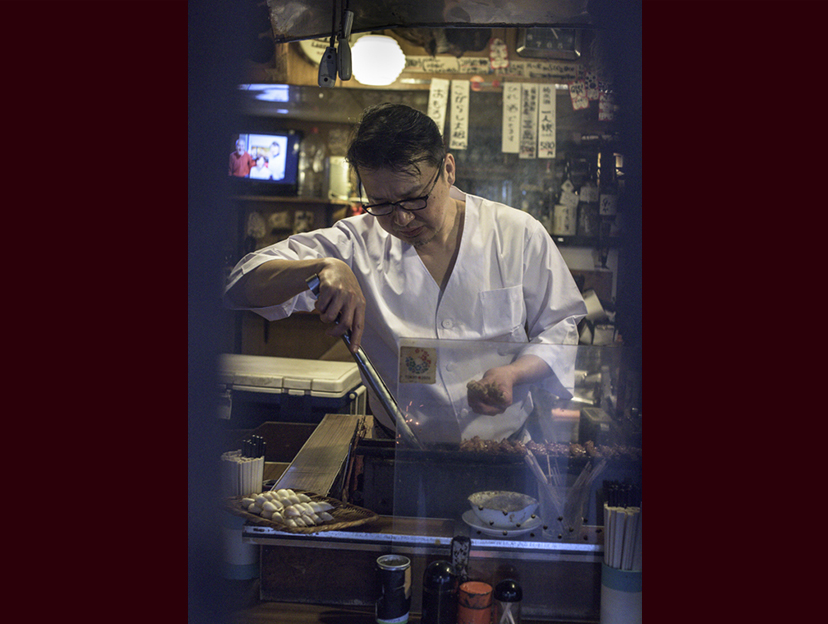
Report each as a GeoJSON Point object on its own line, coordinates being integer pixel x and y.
{"type": "Point", "coordinates": [428, 261]}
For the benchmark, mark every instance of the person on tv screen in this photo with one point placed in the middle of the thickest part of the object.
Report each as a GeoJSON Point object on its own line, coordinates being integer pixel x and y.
{"type": "Point", "coordinates": [240, 161]}
{"type": "Point", "coordinates": [276, 163]}
{"type": "Point", "coordinates": [260, 170]}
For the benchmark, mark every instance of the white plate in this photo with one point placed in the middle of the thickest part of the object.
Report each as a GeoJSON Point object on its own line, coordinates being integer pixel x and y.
{"type": "Point", "coordinates": [474, 522]}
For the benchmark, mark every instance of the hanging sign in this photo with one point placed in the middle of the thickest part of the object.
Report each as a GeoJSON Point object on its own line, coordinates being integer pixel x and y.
{"type": "Point", "coordinates": [510, 143]}
{"type": "Point", "coordinates": [437, 101]}
{"type": "Point", "coordinates": [459, 124]}
{"type": "Point", "coordinates": [578, 94]}
{"type": "Point", "coordinates": [546, 121]}
{"type": "Point", "coordinates": [498, 54]}
{"type": "Point", "coordinates": [528, 121]}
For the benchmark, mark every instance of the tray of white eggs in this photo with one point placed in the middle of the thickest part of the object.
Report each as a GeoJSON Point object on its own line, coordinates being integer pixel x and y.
{"type": "Point", "coordinates": [298, 511]}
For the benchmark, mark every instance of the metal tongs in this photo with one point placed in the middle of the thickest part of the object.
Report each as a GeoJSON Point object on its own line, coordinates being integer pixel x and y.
{"type": "Point", "coordinates": [389, 403]}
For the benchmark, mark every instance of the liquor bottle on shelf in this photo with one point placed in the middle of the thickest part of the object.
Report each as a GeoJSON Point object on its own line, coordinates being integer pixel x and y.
{"type": "Point", "coordinates": [313, 165]}
{"type": "Point", "coordinates": [565, 220]}
{"type": "Point", "coordinates": [588, 217]}
{"type": "Point", "coordinates": [608, 186]}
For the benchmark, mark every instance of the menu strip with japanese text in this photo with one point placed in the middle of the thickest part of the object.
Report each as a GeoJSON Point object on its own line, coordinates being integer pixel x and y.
{"type": "Point", "coordinates": [510, 143]}
{"type": "Point", "coordinates": [438, 101]}
{"type": "Point", "coordinates": [459, 134]}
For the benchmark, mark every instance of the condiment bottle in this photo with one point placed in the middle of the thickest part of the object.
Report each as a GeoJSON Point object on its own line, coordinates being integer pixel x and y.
{"type": "Point", "coordinates": [439, 594]}
{"type": "Point", "coordinates": [474, 603]}
{"type": "Point", "coordinates": [507, 596]}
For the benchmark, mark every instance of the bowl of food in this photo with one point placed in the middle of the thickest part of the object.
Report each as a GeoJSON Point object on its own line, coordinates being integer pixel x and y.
{"type": "Point", "coordinates": [503, 510]}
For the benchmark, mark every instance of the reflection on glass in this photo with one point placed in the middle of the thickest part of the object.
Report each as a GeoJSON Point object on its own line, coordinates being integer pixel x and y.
{"type": "Point", "coordinates": [559, 442]}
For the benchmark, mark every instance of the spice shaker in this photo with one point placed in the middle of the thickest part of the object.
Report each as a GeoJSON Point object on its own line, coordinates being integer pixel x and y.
{"type": "Point", "coordinates": [507, 597]}
{"type": "Point", "coordinates": [439, 594]}
{"type": "Point", "coordinates": [474, 603]}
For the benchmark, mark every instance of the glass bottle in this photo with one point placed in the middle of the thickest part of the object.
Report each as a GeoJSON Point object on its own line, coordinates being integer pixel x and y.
{"type": "Point", "coordinates": [313, 162]}
{"type": "Point", "coordinates": [608, 185]}
{"type": "Point", "coordinates": [588, 218]}
{"type": "Point", "coordinates": [439, 605]}
{"type": "Point", "coordinates": [565, 220]}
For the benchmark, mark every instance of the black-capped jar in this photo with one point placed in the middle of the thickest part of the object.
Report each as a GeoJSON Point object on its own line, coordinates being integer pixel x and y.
{"type": "Point", "coordinates": [507, 598]}
{"type": "Point", "coordinates": [439, 594]}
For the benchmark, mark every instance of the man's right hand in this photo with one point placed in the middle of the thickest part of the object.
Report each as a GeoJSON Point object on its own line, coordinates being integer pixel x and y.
{"type": "Point", "coordinates": [341, 302]}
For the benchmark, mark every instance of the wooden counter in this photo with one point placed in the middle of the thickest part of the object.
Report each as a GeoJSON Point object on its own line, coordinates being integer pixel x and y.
{"type": "Point", "coordinates": [285, 613]}
{"type": "Point", "coordinates": [330, 576]}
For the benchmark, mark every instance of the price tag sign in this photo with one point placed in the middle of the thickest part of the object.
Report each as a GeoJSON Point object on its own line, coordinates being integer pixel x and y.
{"type": "Point", "coordinates": [546, 121]}
{"type": "Point", "coordinates": [528, 121]}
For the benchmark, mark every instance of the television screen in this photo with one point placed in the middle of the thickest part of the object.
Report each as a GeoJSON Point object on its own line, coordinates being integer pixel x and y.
{"type": "Point", "coordinates": [265, 163]}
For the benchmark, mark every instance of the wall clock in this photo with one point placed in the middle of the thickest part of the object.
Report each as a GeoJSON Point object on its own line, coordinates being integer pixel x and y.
{"type": "Point", "coordinates": [552, 43]}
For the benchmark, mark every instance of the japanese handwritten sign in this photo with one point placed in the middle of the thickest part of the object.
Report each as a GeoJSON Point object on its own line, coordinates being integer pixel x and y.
{"type": "Point", "coordinates": [511, 118]}
{"type": "Point", "coordinates": [578, 94]}
{"type": "Point", "coordinates": [528, 121]}
{"type": "Point", "coordinates": [437, 101]}
{"type": "Point", "coordinates": [546, 121]}
{"type": "Point", "coordinates": [459, 124]}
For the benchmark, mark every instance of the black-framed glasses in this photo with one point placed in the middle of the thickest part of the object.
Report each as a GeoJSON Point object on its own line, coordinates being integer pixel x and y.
{"type": "Point", "coordinates": [411, 205]}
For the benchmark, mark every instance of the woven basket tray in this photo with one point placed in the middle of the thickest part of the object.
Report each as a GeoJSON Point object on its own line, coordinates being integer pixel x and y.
{"type": "Point", "coordinates": [344, 515]}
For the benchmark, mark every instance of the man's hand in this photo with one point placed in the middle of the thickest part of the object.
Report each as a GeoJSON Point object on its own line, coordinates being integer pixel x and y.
{"type": "Point", "coordinates": [492, 394]}
{"type": "Point", "coordinates": [341, 301]}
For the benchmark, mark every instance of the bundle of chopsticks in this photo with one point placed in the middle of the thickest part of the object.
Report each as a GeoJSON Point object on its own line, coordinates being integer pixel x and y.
{"type": "Point", "coordinates": [622, 526]}
{"type": "Point", "coordinates": [571, 501]}
{"type": "Point", "coordinates": [242, 470]}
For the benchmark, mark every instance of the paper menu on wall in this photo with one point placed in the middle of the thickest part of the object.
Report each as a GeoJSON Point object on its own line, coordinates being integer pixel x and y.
{"type": "Point", "coordinates": [510, 143]}
{"type": "Point", "coordinates": [546, 121]}
{"type": "Point", "coordinates": [438, 101]}
{"type": "Point", "coordinates": [528, 121]}
{"type": "Point", "coordinates": [459, 123]}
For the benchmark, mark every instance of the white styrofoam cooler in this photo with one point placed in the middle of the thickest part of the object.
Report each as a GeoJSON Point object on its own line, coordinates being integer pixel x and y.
{"type": "Point", "coordinates": [294, 389]}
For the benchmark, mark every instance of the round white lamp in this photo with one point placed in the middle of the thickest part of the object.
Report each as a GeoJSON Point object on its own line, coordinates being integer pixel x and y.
{"type": "Point", "coordinates": [377, 60]}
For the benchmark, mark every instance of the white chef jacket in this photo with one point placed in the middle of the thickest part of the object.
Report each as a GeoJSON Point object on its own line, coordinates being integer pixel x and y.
{"type": "Point", "coordinates": [509, 284]}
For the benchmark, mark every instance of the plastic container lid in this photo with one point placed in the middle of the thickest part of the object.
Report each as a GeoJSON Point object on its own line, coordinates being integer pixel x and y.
{"type": "Point", "coordinates": [508, 590]}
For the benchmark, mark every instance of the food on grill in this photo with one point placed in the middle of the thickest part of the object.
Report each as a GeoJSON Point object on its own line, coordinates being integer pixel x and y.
{"type": "Point", "coordinates": [552, 449]}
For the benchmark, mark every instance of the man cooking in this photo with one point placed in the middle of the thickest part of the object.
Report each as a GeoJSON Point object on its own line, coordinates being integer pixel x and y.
{"type": "Point", "coordinates": [428, 261]}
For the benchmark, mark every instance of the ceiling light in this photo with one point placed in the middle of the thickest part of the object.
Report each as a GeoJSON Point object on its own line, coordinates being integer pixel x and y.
{"type": "Point", "coordinates": [377, 60]}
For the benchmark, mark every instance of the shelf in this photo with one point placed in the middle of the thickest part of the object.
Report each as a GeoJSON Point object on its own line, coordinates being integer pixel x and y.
{"type": "Point", "coordinates": [293, 199]}
{"type": "Point", "coordinates": [613, 242]}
